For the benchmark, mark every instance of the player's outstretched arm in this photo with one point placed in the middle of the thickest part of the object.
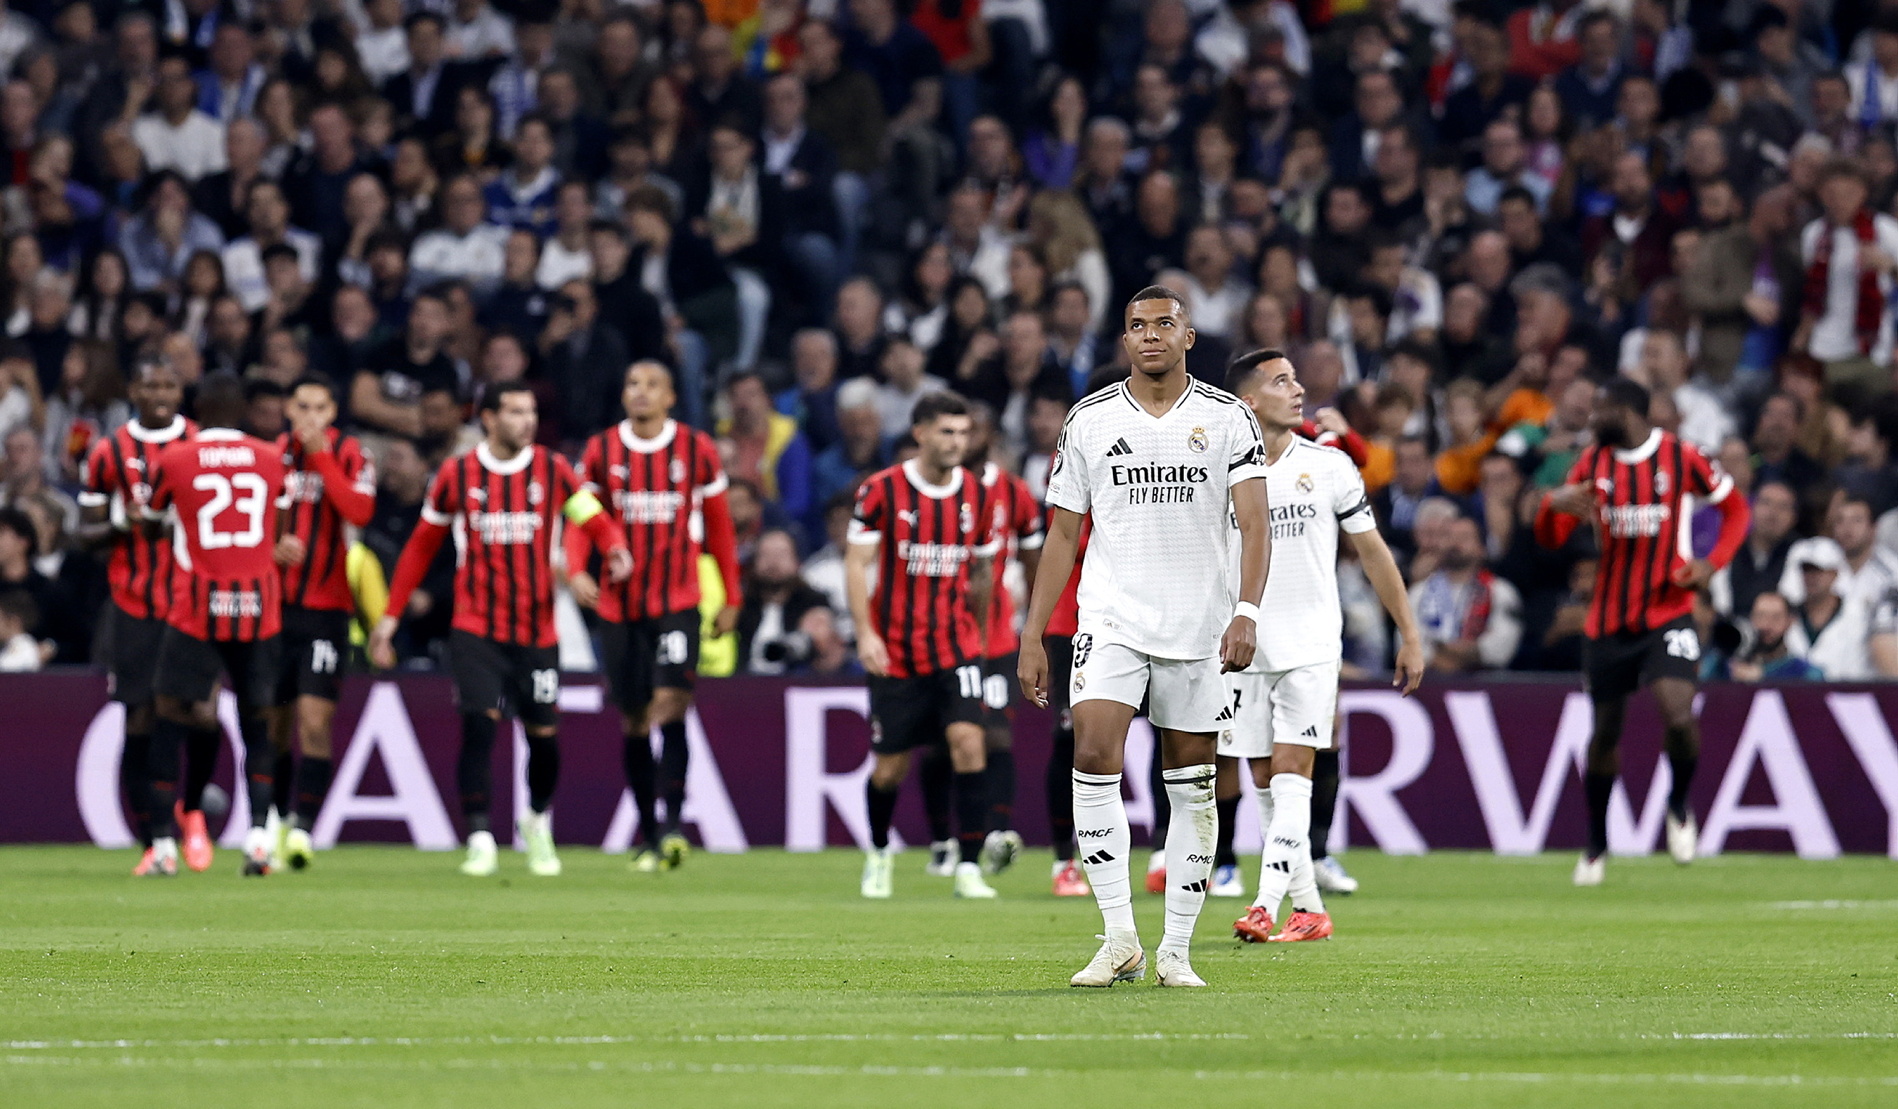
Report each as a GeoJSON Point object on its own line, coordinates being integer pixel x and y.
{"type": "Point", "coordinates": [1380, 568]}
{"type": "Point", "coordinates": [721, 542]}
{"type": "Point", "coordinates": [862, 550]}
{"type": "Point", "coordinates": [1051, 580]}
{"type": "Point", "coordinates": [1251, 510]}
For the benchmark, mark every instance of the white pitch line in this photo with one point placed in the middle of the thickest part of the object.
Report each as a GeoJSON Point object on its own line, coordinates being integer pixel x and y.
{"type": "Point", "coordinates": [1810, 906]}
{"type": "Point", "coordinates": [1772, 1036]}
{"type": "Point", "coordinates": [589, 1041]}
{"type": "Point", "coordinates": [893, 1071]}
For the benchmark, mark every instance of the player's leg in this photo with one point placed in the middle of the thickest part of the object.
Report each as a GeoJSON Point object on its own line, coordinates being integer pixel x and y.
{"type": "Point", "coordinates": [134, 660]}
{"type": "Point", "coordinates": [1226, 797]}
{"type": "Point", "coordinates": [675, 673]}
{"type": "Point", "coordinates": [1304, 701]}
{"type": "Point", "coordinates": [627, 654]}
{"type": "Point", "coordinates": [1189, 705]}
{"type": "Point", "coordinates": [1682, 743]}
{"type": "Point", "coordinates": [478, 670]}
{"type": "Point", "coordinates": [253, 670]}
{"type": "Point", "coordinates": [280, 718]}
{"type": "Point", "coordinates": [1162, 823]}
{"type": "Point", "coordinates": [1003, 844]}
{"type": "Point", "coordinates": [319, 685]}
{"type": "Point", "coordinates": [936, 775]}
{"type": "Point", "coordinates": [183, 682]}
{"type": "Point", "coordinates": [956, 695]}
{"type": "Point", "coordinates": [1327, 774]}
{"type": "Point", "coordinates": [1103, 837]}
{"type": "Point", "coordinates": [1611, 671]}
{"type": "Point", "coordinates": [1059, 781]}
{"type": "Point", "coordinates": [534, 690]}
{"type": "Point", "coordinates": [902, 717]}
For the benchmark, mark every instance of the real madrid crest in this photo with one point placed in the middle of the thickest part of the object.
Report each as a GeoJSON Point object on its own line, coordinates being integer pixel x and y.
{"type": "Point", "coordinates": [1304, 483]}
{"type": "Point", "coordinates": [1198, 441]}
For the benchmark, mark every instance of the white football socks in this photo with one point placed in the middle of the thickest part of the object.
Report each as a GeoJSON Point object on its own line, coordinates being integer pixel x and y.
{"type": "Point", "coordinates": [1191, 838]}
{"type": "Point", "coordinates": [1104, 842]}
{"type": "Point", "coordinates": [1287, 838]}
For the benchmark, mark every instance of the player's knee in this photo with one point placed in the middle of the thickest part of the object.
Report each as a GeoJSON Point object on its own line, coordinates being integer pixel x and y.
{"type": "Point", "coordinates": [888, 771]}
{"type": "Point", "coordinates": [669, 705]}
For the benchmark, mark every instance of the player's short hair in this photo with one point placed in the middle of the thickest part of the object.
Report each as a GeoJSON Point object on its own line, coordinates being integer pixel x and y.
{"type": "Point", "coordinates": [934, 406]}
{"type": "Point", "coordinates": [221, 400]}
{"type": "Point", "coordinates": [424, 16]}
{"type": "Point", "coordinates": [1242, 369]}
{"type": "Point", "coordinates": [263, 387]}
{"type": "Point", "coordinates": [315, 381]}
{"type": "Point", "coordinates": [1157, 292]}
{"type": "Point", "coordinates": [653, 363]}
{"type": "Point", "coordinates": [491, 398]}
{"type": "Point", "coordinates": [1871, 510]}
{"type": "Point", "coordinates": [1628, 393]}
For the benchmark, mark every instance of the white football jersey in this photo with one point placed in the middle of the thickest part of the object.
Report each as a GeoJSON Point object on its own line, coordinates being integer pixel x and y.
{"type": "Point", "coordinates": [1313, 491]}
{"type": "Point", "coordinates": [1159, 488]}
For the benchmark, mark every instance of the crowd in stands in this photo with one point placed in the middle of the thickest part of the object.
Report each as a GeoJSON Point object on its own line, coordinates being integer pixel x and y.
{"type": "Point", "coordinates": [1456, 216]}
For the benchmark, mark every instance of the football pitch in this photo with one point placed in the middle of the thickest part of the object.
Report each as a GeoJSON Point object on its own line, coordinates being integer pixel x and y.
{"type": "Point", "coordinates": [382, 977]}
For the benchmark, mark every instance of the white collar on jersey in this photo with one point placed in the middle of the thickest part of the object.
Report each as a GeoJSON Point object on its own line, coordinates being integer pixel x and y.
{"type": "Point", "coordinates": [914, 474]}
{"type": "Point", "coordinates": [221, 434]}
{"type": "Point", "coordinates": [990, 472]}
{"type": "Point", "coordinates": [1641, 453]}
{"type": "Point", "coordinates": [1127, 392]}
{"type": "Point", "coordinates": [494, 465]}
{"type": "Point", "coordinates": [164, 434]}
{"type": "Point", "coordinates": [653, 445]}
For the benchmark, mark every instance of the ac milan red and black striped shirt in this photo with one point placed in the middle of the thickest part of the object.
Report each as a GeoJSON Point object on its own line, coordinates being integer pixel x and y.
{"type": "Point", "coordinates": [331, 492]}
{"type": "Point", "coordinates": [1643, 522]}
{"type": "Point", "coordinates": [653, 489]}
{"type": "Point", "coordinates": [1018, 522]}
{"type": "Point", "coordinates": [118, 474]}
{"type": "Point", "coordinates": [928, 535]}
{"type": "Point", "coordinates": [503, 517]}
{"type": "Point", "coordinates": [227, 488]}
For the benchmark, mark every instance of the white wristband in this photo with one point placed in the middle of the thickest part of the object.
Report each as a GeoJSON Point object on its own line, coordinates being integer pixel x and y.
{"type": "Point", "coordinates": [1246, 609]}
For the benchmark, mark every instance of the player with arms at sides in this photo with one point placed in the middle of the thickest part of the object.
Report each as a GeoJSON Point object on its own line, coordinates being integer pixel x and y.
{"type": "Point", "coordinates": [117, 486]}
{"type": "Point", "coordinates": [928, 527]}
{"type": "Point", "coordinates": [1284, 704]}
{"type": "Point", "coordinates": [1634, 483]}
{"type": "Point", "coordinates": [1018, 532]}
{"type": "Point", "coordinates": [1159, 462]}
{"type": "Point", "coordinates": [501, 501]}
{"type": "Point", "coordinates": [332, 492]}
{"type": "Point", "coordinates": [664, 488]}
{"type": "Point", "coordinates": [226, 493]}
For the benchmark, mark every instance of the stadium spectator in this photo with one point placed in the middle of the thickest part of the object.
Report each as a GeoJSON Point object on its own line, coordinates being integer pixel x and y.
{"type": "Point", "coordinates": [765, 446]}
{"type": "Point", "coordinates": [1470, 618]}
{"type": "Point", "coordinates": [1831, 631]}
{"type": "Point", "coordinates": [20, 653]}
{"type": "Point", "coordinates": [785, 625]}
{"type": "Point", "coordinates": [1761, 562]}
{"type": "Point", "coordinates": [1771, 657]}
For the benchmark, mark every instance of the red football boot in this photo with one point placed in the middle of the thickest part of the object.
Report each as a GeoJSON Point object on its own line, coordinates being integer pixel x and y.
{"type": "Point", "coordinates": [1305, 926]}
{"type": "Point", "coordinates": [1156, 880]}
{"type": "Point", "coordinates": [1069, 883]}
{"type": "Point", "coordinates": [1255, 926]}
{"type": "Point", "coordinates": [198, 850]}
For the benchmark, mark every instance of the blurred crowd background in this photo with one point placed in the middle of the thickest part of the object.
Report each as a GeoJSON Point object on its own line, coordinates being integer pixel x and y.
{"type": "Point", "coordinates": [1457, 217]}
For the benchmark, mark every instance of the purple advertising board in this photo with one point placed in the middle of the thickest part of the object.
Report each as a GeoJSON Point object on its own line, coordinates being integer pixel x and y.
{"type": "Point", "coordinates": [1489, 765]}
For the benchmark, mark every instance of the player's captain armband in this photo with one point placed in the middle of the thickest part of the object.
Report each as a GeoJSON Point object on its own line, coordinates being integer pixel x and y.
{"type": "Point", "coordinates": [582, 506]}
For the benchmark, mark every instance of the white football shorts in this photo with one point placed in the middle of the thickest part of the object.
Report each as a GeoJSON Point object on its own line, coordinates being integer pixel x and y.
{"type": "Point", "coordinates": [1184, 695]}
{"type": "Point", "coordinates": [1287, 706]}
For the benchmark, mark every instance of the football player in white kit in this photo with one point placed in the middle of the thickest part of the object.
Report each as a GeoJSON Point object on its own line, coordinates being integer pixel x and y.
{"type": "Point", "coordinates": [1284, 702]}
{"type": "Point", "coordinates": [1163, 463]}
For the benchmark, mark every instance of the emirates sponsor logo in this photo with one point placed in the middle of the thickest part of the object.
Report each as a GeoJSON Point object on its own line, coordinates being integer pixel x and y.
{"type": "Point", "coordinates": [305, 487]}
{"type": "Point", "coordinates": [1635, 521]}
{"type": "Point", "coordinates": [932, 560]}
{"type": "Point", "coordinates": [644, 507]}
{"type": "Point", "coordinates": [505, 528]}
{"type": "Point", "coordinates": [235, 603]}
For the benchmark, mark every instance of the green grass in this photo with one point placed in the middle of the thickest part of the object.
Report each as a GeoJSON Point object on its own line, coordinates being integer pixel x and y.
{"type": "Point", "coordinates": [381, 977]}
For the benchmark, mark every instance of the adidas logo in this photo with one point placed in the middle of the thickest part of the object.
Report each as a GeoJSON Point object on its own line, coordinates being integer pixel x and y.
{"type": "Point", "coordinates": [1309, 733]}
{"type": "Point", "coordinates": [1200, 886]}
{"type": "Point", "coordinates": [1281, 866]}
{"type": "Point", "coordinates": [1098, 858]}
{"type": "Point", "coordinates": [1119, 448]}
{"type": "Point", "coordinates": [1224, 714]}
